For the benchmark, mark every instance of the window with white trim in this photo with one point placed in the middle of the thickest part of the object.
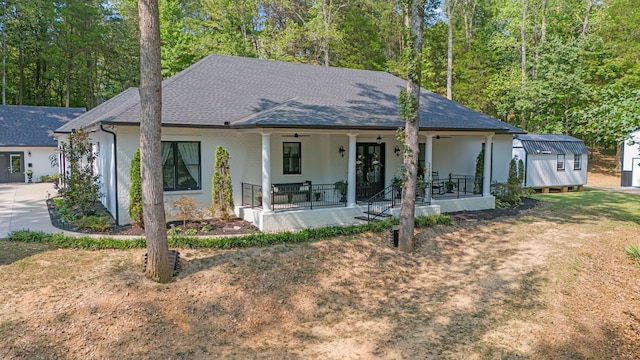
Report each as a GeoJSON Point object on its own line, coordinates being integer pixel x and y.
{"type": "Point", "coordinates": [181, 165]}
{"type": "Point", "coordinates": [291, 158]}
{"type": "Point", "coordinates": [560, 164]}
{"type": "Point", "coordinates": [577, 161]}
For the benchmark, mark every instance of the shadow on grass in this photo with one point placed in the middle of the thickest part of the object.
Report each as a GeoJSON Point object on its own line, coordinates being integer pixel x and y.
{"type": "Point", "coordinates": [11, 251]}
{"type": "Point", "coordinates": [578, 207]}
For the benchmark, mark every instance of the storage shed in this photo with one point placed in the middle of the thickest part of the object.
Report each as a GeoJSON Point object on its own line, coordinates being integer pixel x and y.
{"type": "Point", "coordinates": [552, 161]}
{"type": "Point", "coordinates": [631, 160]}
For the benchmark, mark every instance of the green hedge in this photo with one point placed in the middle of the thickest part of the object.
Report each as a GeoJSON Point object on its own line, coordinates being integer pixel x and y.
{"type": "Point", "coordinates": [258, 239]}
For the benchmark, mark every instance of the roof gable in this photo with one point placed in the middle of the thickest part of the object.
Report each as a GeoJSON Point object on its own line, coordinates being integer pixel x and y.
{"type": "Point", "coordinates": [33, 125]}
{"type": "Point", "coordinates": [245, 92]}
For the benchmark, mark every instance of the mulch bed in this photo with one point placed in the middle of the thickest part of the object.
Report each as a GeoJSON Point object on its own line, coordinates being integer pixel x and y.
{"type": "Point", "coordinates": [490, 214]}
{"type": "Point", "coordinates": [236, 226]}
{"type": "Point", "coordinates": [206, 227]}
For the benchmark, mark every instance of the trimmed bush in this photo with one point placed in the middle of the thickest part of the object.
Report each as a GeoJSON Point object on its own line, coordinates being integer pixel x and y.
{"type": "Point", "coordinates": [135, 191]}
{"type": "Point", "coordinates": [257, 239]}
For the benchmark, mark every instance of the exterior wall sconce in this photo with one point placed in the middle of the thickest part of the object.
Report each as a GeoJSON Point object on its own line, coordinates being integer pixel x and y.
{"type": "Point", "coordinates": [397, 150]}
{"type": "Point", "coordinates": [29, 153]}
{"type": "Point", "coordinates": [379, 140]}
{"type": "Point", "coordinates": [341, 150]}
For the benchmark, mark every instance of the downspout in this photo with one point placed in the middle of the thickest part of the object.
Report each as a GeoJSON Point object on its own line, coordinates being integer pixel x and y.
{"type": "Point", "coordinates": [115, 163]}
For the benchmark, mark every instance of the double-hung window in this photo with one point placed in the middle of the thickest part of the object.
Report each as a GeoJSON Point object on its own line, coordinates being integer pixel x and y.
{"type": "Point", "coordinates": [577, 161]}
{"type": "Point", "coordinates": [181, 165]}
{"type": "Point", "coordinates": [560, 165]}
{"type": "Point", "coordinates": [291, 158]}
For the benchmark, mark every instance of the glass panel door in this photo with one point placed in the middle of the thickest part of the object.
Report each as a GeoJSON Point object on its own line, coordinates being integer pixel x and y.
{"type": "Point", "coordinates": [369, 170]}
{"type": "Point", "coordinates": [16, 168]}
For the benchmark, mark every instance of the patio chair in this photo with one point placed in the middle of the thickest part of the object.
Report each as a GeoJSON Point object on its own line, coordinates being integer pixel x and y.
{"type": "Point", "coordinates": [436, 185]}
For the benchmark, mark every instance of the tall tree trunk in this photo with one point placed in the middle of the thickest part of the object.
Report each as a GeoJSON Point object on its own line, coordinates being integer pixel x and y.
{"type": "Point", "coordinates": [67, 95]}
{"type": "Point", "coordinates": [20, 76]}
{"type": "Point", "coordinates": [450, 9]}
{"type": "Point", "coordinates": [523, 50]}
{"type": "Point", "coordinates": [150, 142]}
{"type": "Point", "coordinates": [414, 21]}
{"type": "Point", "coordinates": [585, 23]}
{"type": "Point", "coordinates": [4, 53]}
{"type": "Point", "coordinates": [523, 39]}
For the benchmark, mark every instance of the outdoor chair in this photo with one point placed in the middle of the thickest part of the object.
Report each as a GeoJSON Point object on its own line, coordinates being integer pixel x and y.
{"type": "Point", "coordinates": [436, 184]}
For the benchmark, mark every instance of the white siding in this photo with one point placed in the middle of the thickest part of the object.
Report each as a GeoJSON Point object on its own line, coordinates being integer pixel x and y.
{"type": "Point", "coordinates": [501, 157]}
{"type": "Point", "coordinates": [541, 171]}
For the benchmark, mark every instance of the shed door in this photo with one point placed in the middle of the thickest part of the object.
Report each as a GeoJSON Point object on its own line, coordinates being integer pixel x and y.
{"type": "Point", "coordinates": [635, 172]}
{"type": "Point", "coordinates": [11, 167]}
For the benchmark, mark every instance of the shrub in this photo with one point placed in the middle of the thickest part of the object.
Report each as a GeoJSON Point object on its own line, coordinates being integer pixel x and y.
{"type": "Point", "coordinates": [135, 191]}
{"type": "Point", "coordinates": [256, 239]}
{"type": "Point", "coordinates": [477, 186]}
{"type": "Point", "coordinates": [96, 223]}
{"type": "Point", "coordinates": [221, 189]}
{"type": "Point", "coordinates": [508, 194]}
{"type": "Point", "coordinates": [634, 252]}
{"type": "Point", "coordinates": [187, 209]}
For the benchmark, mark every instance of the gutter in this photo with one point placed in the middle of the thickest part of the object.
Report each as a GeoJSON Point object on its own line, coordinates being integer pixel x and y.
{"type": "Point", "coordinates": [115, 162]}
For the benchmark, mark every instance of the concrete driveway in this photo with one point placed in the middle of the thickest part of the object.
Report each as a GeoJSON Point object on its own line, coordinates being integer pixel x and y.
{"type": "Point", "coordinates": [23, 206]}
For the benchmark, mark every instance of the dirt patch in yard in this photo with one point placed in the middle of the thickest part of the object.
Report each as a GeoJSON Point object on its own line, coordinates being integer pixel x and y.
{"type": "Point", "coordinates": [537, 284]}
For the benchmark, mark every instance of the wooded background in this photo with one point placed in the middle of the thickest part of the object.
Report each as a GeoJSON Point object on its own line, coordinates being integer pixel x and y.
{"type": "Point", "coordinates": [552, 66]}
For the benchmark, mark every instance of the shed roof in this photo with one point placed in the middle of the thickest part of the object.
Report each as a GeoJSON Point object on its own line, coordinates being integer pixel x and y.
{"type": "Point", "coordinates": [551, 144]}
{"type": "Point", "coordinates": [238, 92]}
{"type": "Point", "coordinates": [32, 125]}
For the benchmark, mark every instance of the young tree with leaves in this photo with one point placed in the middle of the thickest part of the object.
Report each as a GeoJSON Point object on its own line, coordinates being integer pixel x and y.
{"type": "Point", "coordinates": [150, 142]}
{"type": "Point", "coordinates": [81, 188]}
{"type": "Point", "coordinates": [222, 190]}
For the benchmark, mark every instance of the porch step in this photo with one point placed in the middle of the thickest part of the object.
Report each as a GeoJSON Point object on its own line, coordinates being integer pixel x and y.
{"type": "Point", "coordinates": [374, 216]}
{"type": "Point", "coordinates": [377, 214]}
{"type": "Point", "coordinates": [367, 219]}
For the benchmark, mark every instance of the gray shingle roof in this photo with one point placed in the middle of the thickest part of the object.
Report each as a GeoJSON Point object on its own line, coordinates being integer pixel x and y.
{"type": "Point", "coordinates": [248, 92]}
{"type": "Point", "coordinates": [33, 125]}
{"type": "Point", "coordinates": [552, 144]}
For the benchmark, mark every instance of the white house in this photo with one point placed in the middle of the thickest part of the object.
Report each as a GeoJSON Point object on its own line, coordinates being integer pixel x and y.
{"type": "Point", "coordinates": [631, 160]}
{"type": "Point", "coordinates": [26, 140]}
{"type": "Point", "coordinates": [550, 161]}
{"type": "Point", "coordinates": [292, 132]}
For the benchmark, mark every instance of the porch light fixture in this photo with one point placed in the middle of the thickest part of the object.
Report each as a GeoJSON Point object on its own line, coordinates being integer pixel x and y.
{"type": "Point", "coordinates": [29, 153]}
{"type": "Point", "coordinates": [397, 150]}
{"type": "Point", "coordinates": [341, 150]}
{"type": "Point", "coordinates": [378, 139]}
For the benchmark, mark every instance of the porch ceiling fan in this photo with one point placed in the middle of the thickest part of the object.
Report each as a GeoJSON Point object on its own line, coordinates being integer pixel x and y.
{"type": "Point", "coordinates": [296, 135]}
{"type": "Point", "coordinates": [438, 137]}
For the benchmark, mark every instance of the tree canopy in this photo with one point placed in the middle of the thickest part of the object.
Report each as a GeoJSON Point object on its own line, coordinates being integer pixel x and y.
{"type": "Point", "coordinates": [562, 66]}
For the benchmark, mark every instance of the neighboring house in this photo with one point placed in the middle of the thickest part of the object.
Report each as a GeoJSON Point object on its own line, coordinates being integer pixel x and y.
{"type": "Point", "coordinates": [631, 160]}
{"type": "Point", "coordinates": [552, 161]}
{"type": "Point", "coordinates": [26, 140]}
{"type": "Point", "coordinates": [293, 131]}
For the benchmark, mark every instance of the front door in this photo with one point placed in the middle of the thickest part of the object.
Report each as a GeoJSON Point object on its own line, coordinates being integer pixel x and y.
{"type": "Point", "coordinates": [11, 167]}
{"type": "Point", "coordinates": [369, 170]}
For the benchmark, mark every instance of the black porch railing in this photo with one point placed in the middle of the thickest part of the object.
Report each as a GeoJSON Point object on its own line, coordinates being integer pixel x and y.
{"type": "Point", "coordinates": [292, 196]}
{"type": "Point", "coordinates": [457, 186]}
{"type": "Point", "coordinates": [391, 196]}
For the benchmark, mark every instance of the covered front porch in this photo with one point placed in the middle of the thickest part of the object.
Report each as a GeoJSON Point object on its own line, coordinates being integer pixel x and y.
{"type": "Point", "coordinates": [352, 174]}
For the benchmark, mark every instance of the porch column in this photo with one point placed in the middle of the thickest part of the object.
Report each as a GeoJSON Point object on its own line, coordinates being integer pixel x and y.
{"type": "Point", "coordinates": [351, 171]}
{"type": "Point", "coordinates": [266, 172]}
{"type": "Point", "coordinates": [428, 156]}
{"type": "Point", "coordinates": [486, 184]}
